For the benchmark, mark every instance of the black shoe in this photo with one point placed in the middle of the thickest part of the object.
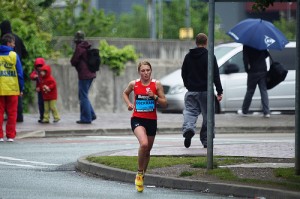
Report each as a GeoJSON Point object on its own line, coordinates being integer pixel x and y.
{"type": "Point", "coordinates": [205, 146]}
{"type": "Point", "coordinates": [40, 121]}
{"type": "Point", "coordinates": [188, 138]}
{"type": "Point", "coordinates": [94, 117]}
{"type": "Point", "coordinates": [20, 120]}
{"type": "Point", "coordinates": [44, 122]}
{"type": "Point", "coordinates": [82, 122]}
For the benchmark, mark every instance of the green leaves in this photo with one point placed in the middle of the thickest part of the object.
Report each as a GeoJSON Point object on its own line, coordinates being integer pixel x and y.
{"type": "Point", "coordinates": [28, 21]}
{"type": "Point", "coordinates": [69, 20]}
{"type": "Point", "coordinates": [288, 27]}
{"type": "Point", "coordinates": [262, 5]}
{"type": "Point", "coordinates": [116, 58]}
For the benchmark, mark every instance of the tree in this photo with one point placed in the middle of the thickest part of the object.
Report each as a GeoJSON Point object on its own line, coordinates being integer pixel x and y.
{"type": "Point", "coordinates": [116, 58]}
{"type": "Point", "coordinates": [262, 5]}
{"type": "Point", "coordinates": [173, 20]}
{"type": "Point", "coordinates": [288, 27]}
{"type": "Point", "coordinates": [29, 21]}
{"type": "Point", "coordinates": [134, 25]}
{"type": "Point", "coordinates": [76, 17]}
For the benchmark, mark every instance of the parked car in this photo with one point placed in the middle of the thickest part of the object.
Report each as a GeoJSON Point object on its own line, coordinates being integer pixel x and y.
{"type": "Point", "coordinates": [234, 81]}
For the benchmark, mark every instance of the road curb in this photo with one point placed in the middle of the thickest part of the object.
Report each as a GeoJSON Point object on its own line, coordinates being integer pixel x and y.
{"type": "Point", "coordinates": [184, 184]}
{"type": "Point", "coordinates": [128, 131]}
{"type": "Point", "coordinates": [31, 134]}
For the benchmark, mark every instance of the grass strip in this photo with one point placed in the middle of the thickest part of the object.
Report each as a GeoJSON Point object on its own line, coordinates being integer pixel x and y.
{"type": "Point", "coordinates": [130, 162]}
{"type": "Point", "coordinates": [291, 182]}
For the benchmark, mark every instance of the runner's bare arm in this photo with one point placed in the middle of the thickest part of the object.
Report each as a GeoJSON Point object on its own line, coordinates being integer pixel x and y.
{"type": "Point", "coordinates": [161, 99]}
{"type": "Point", "coordinates": [126, 94]}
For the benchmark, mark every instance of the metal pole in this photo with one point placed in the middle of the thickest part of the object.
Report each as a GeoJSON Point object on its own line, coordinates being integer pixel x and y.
{"type": "Point", "coordinates": [187, 14]}
{"type": "Point", "coordinates": [149, 15]}
{"type": "Point", "coordinates": [210, 88]}
{"type": "Point", "coordinates": [160, 22]}
{"type": "Point", "coordinates": [153, 20]}
{"type": "Point", "coordinates": [297, 105]}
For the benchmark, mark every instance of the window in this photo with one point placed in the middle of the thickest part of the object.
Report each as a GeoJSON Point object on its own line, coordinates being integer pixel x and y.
{"type": "Point", "coordinates": [234, 60]}
{"type": "Point", "coordinates": [286, 57]}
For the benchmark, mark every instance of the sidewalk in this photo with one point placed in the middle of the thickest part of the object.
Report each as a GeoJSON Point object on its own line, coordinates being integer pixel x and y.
{"type": "Point", "coordinates": [119, 123]}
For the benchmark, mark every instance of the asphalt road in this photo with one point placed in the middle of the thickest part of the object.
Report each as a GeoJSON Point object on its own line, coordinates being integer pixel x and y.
{"type": "Point", "coordinates": [44, 168]}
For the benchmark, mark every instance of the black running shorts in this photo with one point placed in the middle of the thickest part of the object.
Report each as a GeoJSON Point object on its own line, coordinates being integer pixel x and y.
{"type": "Point", "coordinates": [148, 124]}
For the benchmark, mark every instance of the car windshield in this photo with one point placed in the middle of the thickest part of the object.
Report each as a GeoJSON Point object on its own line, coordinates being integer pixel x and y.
{"type": "Point", "coordinates": [222, 50]}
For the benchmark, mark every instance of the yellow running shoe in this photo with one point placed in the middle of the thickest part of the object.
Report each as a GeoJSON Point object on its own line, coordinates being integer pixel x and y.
{"type": "Point", "coordinates": [139, 188]}
{"type": "Point", "coordinates": [139, 179]}
{"type": "Point", "coordinates": [139, 182]}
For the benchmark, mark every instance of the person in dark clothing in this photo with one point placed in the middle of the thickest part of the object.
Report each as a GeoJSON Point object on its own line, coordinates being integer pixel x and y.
{"type": "Point", "coordinates": [194, 74]}
{"type": "Point", "coordinates": [35, 76]}
{"type": "Point", "coordinates": [20, 49]}
{"type": "Point", "coordinates": [85, 76]}
{"type": "Point", "coordinates": [256, 67]}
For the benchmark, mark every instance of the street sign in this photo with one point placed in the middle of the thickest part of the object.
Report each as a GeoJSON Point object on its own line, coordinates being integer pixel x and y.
{"type": "Point", "coordinates": [186, 33]}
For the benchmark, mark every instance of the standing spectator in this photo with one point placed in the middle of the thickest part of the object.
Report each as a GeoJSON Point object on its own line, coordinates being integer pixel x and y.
{"type": "Point", "coordinates": [194, 75]}
{"type": "Point", "coordinates": [35, 76]}
{"type": "Point", "coordinates": [256, 67]}
{"type": "Point", "coordinates": [20, 49]}
{"type": "Point", "coordinates": [148, 93]}
{"type": "Point", "coordinates": [85, 76]}
{"type": "Point", "coordinates": [49, 91]}
{"type": "Point", "coordinates": [11, 85]}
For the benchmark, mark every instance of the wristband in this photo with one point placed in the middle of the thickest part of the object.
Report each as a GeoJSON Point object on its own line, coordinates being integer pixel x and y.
{"type": "Point", "coordinates": [156, 97]}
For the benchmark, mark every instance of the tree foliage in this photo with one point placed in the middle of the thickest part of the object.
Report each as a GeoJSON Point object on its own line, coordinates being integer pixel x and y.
{"type": "Point", "coordinates": [80, 17]}
{"type": "Point", "coordinates": [262, 5]}
{"type": "Point", "coordinates": [136, 24]}
{"type": "Point", "coordinates": [287, 27]}
{"type": "Point", "coordinates": [132, 25]}
{"type": "Point", "coordinates": [29, 22]}
{"type": "Point", "coordinates": [116, 58]}
{"type": "Point", "coordinates": [174, 18]}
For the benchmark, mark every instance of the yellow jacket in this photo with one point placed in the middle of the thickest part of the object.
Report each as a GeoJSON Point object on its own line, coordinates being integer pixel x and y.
{"type": "Point", "coordinates": [9, 84]}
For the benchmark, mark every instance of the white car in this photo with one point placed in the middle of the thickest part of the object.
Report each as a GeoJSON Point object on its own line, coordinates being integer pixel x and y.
{"type": "Point", "coordinates": [234, 82]}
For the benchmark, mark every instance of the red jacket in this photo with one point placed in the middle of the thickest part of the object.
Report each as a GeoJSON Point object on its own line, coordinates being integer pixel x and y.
{"type": "Point", "coordinates": [49, 81]}
{"type": "Point", "coordinates": [38, 61]}
{"type": "Point", "coordinates": [79, 60]}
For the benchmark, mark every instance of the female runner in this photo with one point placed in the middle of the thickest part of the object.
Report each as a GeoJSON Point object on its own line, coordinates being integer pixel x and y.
{"type": "Point", "coordinates": [148, 93]}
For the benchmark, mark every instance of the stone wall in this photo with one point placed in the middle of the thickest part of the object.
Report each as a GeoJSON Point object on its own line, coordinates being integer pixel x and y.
{"type": "Point", "coordinates": [147, 48]}
{"type": "Point", "coordinates": [106, 91]}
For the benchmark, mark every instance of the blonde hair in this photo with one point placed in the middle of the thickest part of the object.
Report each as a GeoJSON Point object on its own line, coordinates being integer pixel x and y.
{"type": "Point", "coordinates": [143, 63]}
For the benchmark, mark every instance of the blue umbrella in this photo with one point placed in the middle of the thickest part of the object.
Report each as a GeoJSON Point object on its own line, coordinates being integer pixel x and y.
{"type": "Point", "coordinates": [259, 34]}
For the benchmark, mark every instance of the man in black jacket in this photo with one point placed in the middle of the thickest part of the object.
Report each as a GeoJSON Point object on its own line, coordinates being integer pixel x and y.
{"type": "Point", "coordinates": [22, 53]}
{"type": "Point", "coordinates": [194, 74]}
{"type": "Point", "coordinates": [256, 67]}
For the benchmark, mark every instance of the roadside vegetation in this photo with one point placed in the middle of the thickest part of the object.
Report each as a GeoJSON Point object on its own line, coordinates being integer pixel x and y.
{"type": "Point", "coordinates": [195, 168]}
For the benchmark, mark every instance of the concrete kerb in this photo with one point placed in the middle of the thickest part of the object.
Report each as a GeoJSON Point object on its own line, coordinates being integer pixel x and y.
{"type": "Point", "coordinates": [184, 184]}
{"type": "Point", "coordinates": [128, 131]}
{"type": "Point", "coordinates": [87, 132]}
{"type": "Point", "coordinates": [31, 134]}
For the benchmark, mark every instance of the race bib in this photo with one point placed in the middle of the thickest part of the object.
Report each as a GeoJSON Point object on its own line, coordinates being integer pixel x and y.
{"type": "Point", "coordinates": [144, 103]}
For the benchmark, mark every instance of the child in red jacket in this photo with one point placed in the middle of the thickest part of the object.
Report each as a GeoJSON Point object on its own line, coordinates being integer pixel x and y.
{"type": "Point", "coordinates": [35, 76]}
{"type": "Point", "coordinates": [49, 92]}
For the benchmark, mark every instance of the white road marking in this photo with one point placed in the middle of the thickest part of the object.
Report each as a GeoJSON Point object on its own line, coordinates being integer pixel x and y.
{"type": "Point", "coordinates": [11, 161]}
{"type": "Point", "coordinates": [20, 165]}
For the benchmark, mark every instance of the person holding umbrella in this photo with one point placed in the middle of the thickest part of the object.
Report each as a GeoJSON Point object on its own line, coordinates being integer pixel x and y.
{"type": "Point", "coordinates": [256, 68]}
{"type": "Point", "coordinates": [257, 36]}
